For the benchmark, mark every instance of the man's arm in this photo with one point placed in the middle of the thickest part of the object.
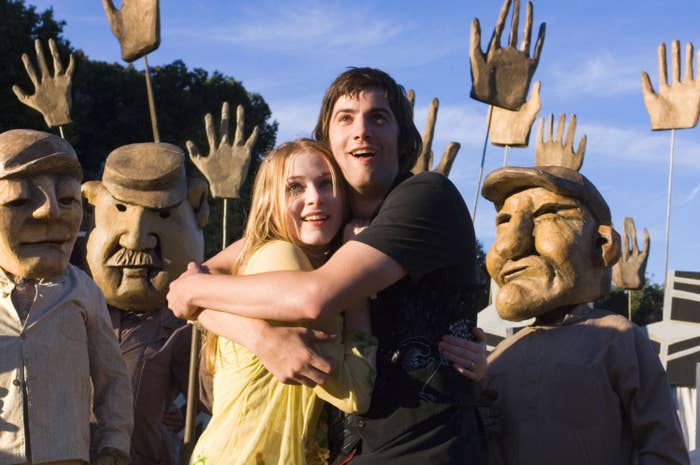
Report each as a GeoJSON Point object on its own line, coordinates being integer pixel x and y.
{"type": "Point", "coordinates": [354, 272]}
{"type": "Point", "coordinates": [285, 351]}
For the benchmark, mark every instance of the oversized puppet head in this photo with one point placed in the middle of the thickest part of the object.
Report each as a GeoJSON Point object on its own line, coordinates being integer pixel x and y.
{"type": "Point", "coordinates": [40, 205]}
{"type": "Point", "coordinates": [148, 224]}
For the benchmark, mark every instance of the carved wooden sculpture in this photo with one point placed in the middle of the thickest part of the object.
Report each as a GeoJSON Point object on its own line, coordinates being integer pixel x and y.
{"type": "Point", "coordinates": [52, 93]}
{"type": "Point", "coordinates": [226, 165]}
{"type": "Point", "coordinates": [512, 128]}
{"type": "Point", "coordinates": [501, 76]}
{"type": "Point", "coordinates": [675, 106]}
{"type": "Point", "coordinates": [555, 150]}
{"type": "Point", "coordinates": [61, 363]}
{"type": "Point", "coordinates": [136, 25]}
{"type": "Point", "coordinates": [424, 162]}
{"type": "Point", "coordinates": [628, 272]}
{"type": "Point", "coordinates": [148, 226]}
{"type": "Point", "coordinates": [551, 257]}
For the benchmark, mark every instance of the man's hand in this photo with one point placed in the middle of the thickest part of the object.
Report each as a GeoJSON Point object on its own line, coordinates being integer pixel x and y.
{"type": "Point", "coordinates": [501, 77]}
{"type": "Point", "coordinates": [226, 166]}
{"type": "Point", "coordinates": [136, 26]}
{"type": "Point", "coordinates": [676, 106]}
{"type": "Point", "coordinates": [179, 295]}
{"type": "Point", "coordinates": [512, 128]}
{"type": "Point", "coordinates": [52, 96]}
{"type": "Point", "coordinates": [555, 150]}
{"type": "Point", "coordinates": [286, 353]}
{"type": "Point", "coordinates": [468, 357]}
{"type": "Point", "coordinates": [628, 272]}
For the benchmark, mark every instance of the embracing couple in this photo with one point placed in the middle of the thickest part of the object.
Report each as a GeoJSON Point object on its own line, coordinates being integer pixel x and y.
{"type": "Point", "coordinates": [413, 265]}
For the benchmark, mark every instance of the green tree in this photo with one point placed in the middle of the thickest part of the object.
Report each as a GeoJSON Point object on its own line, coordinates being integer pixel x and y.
{"type": "Point", "coordinates": [647, 303]}
{"type": "Point", "coordinates": [110, 107]}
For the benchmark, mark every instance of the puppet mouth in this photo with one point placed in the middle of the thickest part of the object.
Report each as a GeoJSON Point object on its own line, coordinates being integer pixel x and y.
{"type": "Point", "coordinates": [511, 272]}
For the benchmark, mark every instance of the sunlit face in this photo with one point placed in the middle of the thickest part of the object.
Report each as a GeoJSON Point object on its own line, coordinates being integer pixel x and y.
{"type": "Point", "coordinates": [363, 134]}
{"type": "Point", "coordinates": [314, 203]}
{"type": "Point", "coordinates": [134, 252]}
{"type": "Point", "coordinates": [544, 254]}
{"type": "Point", "coordinates": [39, 221]}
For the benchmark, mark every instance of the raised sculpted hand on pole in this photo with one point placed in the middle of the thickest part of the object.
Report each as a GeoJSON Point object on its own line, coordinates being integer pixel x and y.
{"type": "Point", "coordinates": [424, 161]}
{"type": "Point", "coordinates": [557, 151]}
{"type": "Point", "coordinates": [628, 272]}
{"type": "Point", "coordinates": [675, 106]}
{"type": "Point", "coordinates": [226, 166]}
{"type": "Point", "coordinates": [52, 97]}
{"type": "Point", "coordinates": [512, 128]}
{"type": "Point", "coordinates": [501, 77]}
{"type": "Point", "coordinates": [136, 25]}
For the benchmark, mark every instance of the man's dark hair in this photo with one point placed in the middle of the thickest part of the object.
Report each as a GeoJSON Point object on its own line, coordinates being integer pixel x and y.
{"type": "Point", "coordinates": [355, 80]}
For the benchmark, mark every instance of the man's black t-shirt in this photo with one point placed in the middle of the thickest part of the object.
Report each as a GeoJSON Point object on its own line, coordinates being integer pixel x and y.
{"type": "Point", "coordinates": [422, 410]}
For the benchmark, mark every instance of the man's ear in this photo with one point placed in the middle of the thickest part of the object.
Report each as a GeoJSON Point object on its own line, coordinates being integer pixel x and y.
{"type": "Point", "coordinates": [609, 241]}
{"type": "Point", "coordinates": [197, 189]}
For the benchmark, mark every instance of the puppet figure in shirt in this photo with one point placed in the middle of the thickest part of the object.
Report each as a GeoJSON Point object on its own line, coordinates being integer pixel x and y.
{"type": "Point", "coordinates": [148, 225]}
{"type": "Point", "coordinates": [580, 385]}
{"type": "Point", "coordinates": [59, 360]}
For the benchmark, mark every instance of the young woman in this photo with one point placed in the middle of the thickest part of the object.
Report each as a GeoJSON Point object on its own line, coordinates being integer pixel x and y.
{"type": "Point", "coordinates": [298, 209]}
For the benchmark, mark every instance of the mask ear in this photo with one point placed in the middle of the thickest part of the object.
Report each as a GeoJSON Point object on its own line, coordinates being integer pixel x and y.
{"type": "Point", "coordinates": [90, 190]}
{"type": "Point", "coordinates": [609, 241]}
{"type": "Point", "coordinates": [197, 196]}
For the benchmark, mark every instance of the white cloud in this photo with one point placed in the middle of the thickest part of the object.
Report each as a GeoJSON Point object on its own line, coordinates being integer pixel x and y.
{"type": "Point", "coordinates": [638, 146]}
{"type": "Point", "coordinates": [602, 75]}
{"type": "Point", "coordinates": [296, 118]}
{"type": "Point", "coordinates": [693, 194]}
{"type": "Point", "coordinates": [308, 27]}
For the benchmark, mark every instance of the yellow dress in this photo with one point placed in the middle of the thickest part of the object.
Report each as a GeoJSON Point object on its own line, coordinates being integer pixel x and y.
{"type": "Point", "coordinates": [255, 419]}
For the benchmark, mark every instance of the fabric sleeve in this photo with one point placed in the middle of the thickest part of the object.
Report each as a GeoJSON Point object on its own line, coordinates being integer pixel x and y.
{"type": "Point", "coordinates": [277, 256]}
{"type": "Point", "coordinates": [424, 225]}
{"type": "Point", "coordinates": [349, 387]}
{"type": "Point", "coordinates": [112, 398]}
{"type": "Point", "coordinates": [647, 403]}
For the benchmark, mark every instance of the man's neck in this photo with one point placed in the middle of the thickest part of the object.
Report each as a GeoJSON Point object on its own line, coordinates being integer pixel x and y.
{"type": "Point", "coordinates": [365, 203]}
{"type": "Point", "coordinates": [364, 206]}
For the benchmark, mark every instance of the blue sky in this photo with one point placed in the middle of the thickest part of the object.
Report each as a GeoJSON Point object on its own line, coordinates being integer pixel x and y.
{"type": "Point", "coordinates": [593, 53]}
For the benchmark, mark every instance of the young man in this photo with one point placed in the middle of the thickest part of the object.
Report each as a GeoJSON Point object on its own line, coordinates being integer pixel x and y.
{"type": "Point", "coordinates": [416, 257]}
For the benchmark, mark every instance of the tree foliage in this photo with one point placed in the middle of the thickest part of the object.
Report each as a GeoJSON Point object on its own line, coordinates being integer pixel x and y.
{"type": "Point", "coordinates": [647, 303]}
{"type": "Point", "coordinates": [110, 106]}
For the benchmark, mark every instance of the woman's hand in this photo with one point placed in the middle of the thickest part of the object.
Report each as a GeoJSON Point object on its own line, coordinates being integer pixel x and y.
{"type": "Point", "coordinates": [468, 357]}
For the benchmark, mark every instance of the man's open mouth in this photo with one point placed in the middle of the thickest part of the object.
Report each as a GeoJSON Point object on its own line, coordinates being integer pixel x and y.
{"type": "Point", "coordinates": [363, 153]}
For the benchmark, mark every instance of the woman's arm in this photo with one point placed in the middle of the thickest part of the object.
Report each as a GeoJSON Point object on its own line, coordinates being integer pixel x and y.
{"type": "Point", "coordinates": [222, 262]}
{"type": "Point", "coordinates": [285, 351]}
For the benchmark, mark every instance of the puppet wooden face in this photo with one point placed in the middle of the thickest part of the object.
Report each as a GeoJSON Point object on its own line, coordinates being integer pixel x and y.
{"type": "Point", "coordinates": [547, 254]}
{"type": "Point", "coordinates": [135, 251]}
{"type": "Point", "coordinates": [39, 220]}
